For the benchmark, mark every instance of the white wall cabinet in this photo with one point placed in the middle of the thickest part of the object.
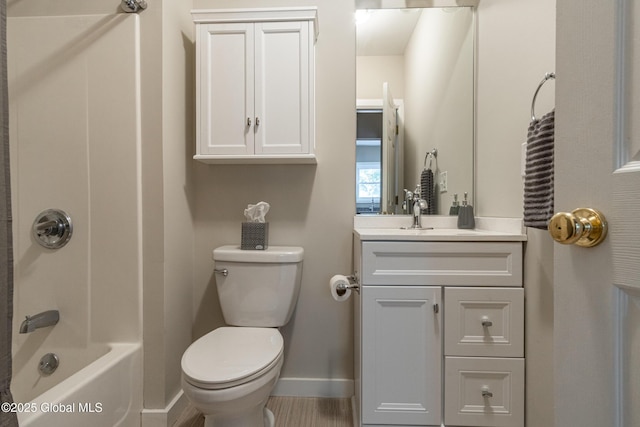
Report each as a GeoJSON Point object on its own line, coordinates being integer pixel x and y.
{"type": "Point", "coordinates": [439, 334]}
{"type": "Point", "coordinates": [255, 73]}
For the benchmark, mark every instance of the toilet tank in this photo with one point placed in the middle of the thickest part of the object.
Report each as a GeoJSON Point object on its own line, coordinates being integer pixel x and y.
{"type": "Point", "coordinates": [260, 287]}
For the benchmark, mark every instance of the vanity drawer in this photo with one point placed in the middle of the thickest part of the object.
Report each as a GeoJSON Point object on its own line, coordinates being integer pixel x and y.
{"type": "Point", "coordinates": [484, 322]}
{"type": "Point", "coordinates": [442, 263]}
{"type": "Point", "coordinates": [483, 392]}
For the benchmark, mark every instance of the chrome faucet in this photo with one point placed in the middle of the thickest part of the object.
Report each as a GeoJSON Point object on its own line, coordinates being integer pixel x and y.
{"type": "Point", "coordinates": [40, 320]}
{"type": "Point", "coordinates": [418, 204]}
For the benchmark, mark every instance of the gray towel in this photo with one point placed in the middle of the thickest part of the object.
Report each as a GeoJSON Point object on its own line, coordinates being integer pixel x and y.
{"type": "Point", "coordinates": [538, 181]}
{"type": "Point", "coordinates": [427, 189]}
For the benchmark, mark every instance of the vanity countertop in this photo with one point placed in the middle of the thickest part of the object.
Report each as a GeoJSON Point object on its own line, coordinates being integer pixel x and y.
{"type": "Point", "coordinates": [443, 229]}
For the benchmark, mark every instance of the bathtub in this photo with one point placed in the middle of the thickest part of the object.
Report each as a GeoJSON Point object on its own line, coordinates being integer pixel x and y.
{"type": "Point", "coordinates": [105, 393]}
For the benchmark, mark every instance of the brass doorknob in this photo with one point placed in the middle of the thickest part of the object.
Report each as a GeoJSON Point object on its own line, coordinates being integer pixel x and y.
{"type": "Point", "coordinates": [584, 226]}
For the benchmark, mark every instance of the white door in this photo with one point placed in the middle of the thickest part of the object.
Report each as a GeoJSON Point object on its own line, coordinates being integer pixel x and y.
{"type": "Point", "coordinates": [389, 157]}
{"type": "Point", "coordinates": [597, 290]}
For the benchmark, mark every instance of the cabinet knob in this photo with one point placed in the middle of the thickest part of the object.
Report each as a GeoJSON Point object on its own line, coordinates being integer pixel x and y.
{"type": "Point", "coordinates": [248, 121]}
{"type": "Point", "coordinates": [584, 226]}
{"type": "Point", "coordinates": [257, 121]}
{"type": "Point", "coordinates": [486, 322]}
{"type": "Point", "coordinates": [486, 392]}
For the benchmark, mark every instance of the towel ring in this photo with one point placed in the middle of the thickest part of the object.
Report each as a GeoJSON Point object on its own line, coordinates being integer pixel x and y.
{"type": "Point", "coordinates": [547, 76]}
{"type": "Point", "coordinates": [433, 154]}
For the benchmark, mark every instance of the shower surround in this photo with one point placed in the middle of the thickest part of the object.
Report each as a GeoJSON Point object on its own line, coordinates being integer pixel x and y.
{"type": "Point", "coordinates": [74, 90]}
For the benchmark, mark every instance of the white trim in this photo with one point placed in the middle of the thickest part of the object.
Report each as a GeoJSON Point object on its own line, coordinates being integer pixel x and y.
{"type": "Point", "coordinates": [165, 417]}
{"type": "Point", "coordinates": [314, 387]}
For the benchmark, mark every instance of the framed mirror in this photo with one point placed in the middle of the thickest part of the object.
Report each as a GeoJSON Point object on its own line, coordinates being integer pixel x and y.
{"type": "Point", "coordinates": [415, 106]}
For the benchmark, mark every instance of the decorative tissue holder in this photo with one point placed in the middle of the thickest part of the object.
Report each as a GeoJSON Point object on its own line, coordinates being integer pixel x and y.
{"type": "Point", "coordinates": [255, 236]}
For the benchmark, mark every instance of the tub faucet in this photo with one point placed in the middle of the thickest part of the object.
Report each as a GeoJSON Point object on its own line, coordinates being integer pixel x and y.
{"type": "Point", "coordinates": [40, 320]}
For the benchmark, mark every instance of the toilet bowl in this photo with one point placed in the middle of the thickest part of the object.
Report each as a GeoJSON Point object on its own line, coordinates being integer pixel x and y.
{"type": "Point", "coordinates": [229, 373]}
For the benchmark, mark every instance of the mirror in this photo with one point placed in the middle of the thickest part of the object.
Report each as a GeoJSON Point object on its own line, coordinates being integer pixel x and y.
{"type": "Point", "coordinates": [415, 102]}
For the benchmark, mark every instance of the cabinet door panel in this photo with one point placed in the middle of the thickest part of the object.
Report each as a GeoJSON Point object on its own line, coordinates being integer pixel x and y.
{"type": "Point", "coordinates": [401, 355]}
{"type": "Point", "coordinates": [282, 88]}
{"type": "Point", "coordinates": [226, 96]}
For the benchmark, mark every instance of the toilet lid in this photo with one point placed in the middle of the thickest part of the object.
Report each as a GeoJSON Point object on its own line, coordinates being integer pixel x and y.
{"type": "Point", "coordinates": [229, 356]}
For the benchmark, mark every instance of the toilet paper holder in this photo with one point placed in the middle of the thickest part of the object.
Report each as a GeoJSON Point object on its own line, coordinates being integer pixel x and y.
{"type": "Point", "coordinates": [341, 289]}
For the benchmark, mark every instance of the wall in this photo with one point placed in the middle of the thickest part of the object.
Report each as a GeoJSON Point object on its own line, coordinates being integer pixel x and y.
{"type": "Point", "coordinates": [516, 45]}
{"type": "Point", "coordinates": [372, 71]}
{"type": "Point", "coordinates": [311, 206]}
{"type": "Point", "coordinates": [167, 70]}
{"type": "Point", "coordinates": [439, 104]}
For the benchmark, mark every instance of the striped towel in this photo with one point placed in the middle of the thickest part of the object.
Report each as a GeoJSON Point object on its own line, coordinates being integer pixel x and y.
{"type": "Point", "coordinates": [538, 181]}
{"type": "Point", "coordinates": [427, 189]}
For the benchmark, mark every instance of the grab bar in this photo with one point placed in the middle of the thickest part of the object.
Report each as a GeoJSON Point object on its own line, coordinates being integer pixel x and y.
{"type": "Point", "coordinates": [547, 76]}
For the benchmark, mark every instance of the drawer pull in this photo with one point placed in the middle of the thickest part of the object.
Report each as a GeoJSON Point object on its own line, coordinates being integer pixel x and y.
{"type": "Point", "coordinates": [486, 392]}
{"type": "Point", "coordinates": [486, 322]}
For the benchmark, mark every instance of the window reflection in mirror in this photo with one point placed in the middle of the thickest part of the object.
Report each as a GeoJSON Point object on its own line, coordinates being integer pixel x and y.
{"type": "Point", "coordinates": [425, 57]}
{"type": "Point", "coordinates": [368, 161]}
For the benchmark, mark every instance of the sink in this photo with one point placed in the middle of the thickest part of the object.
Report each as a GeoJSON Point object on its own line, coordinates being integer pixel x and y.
{"type": "Point", "coordinates": [433, 234]}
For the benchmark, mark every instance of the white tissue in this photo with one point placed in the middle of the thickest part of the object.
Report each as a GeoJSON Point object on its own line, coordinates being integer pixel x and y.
{"type": "Point", "coordinates": [333, 284]}
{"type": "Point", "coordinates": [257, 212]}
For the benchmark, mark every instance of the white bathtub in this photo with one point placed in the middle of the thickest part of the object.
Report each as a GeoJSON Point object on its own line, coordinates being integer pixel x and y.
{"type": "Point", "coordinates": [105, 393]}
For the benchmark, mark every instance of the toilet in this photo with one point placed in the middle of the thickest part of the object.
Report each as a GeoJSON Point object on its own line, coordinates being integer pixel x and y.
{"type": "Point", "coordinates": [229, 373]}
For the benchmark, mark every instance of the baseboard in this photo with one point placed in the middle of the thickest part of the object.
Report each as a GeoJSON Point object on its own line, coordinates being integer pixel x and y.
{"type": "Point", "coordinates": [314, 387]}
{"type": "Point", "coordinates": [165, 417]}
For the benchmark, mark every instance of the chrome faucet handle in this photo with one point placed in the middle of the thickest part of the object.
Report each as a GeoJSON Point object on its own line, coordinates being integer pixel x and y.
{"type": "Point", "coordinates": [408, 195]}
{"type": "Point", "coordinates": [418, 192]}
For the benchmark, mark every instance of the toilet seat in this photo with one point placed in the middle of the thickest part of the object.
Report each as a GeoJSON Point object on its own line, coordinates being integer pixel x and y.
{"type": "Point", "coordinates": [230, 356]}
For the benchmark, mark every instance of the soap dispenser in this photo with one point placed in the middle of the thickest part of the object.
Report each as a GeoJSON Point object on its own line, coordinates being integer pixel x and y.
{"type": "Point", "coordinates": [455, 206]}
{"type": "Point", "coordinates": [466, 219]}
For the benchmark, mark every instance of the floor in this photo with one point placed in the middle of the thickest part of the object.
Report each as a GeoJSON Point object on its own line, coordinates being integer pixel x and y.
{"type": "Point", "coordinates": [292, 412]}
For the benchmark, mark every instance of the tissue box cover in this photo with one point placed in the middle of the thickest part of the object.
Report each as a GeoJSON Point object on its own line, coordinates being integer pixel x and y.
{"type": "Point", "coordinates": [255, 236]}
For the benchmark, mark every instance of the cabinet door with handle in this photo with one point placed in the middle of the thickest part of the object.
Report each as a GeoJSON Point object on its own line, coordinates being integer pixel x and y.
{"type": "Point", "coordinates": [283, 103]}
{"type": "Point", "coordinates": [225, 98]}
{"type": "Point", "coordinates": [401, 355]}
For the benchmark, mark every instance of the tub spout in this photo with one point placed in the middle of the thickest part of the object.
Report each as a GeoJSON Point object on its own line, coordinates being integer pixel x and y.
{"type": "Point", "coordinates": [40, 320]}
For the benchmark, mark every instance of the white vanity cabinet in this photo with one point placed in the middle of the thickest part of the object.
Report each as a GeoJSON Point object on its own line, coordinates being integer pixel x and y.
{"type": "Point", "coordinates": [439, 330]}
{"type": "Point", "coordinates": [255, 73]}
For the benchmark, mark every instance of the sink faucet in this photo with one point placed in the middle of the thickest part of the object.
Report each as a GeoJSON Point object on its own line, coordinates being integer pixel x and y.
{"type": "Point", "coordinates": [40, 320]}
{"type": "Point", "coordinates": [418, 205]}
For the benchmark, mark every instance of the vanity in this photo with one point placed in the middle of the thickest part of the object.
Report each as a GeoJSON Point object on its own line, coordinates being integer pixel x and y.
{"type": "Point", "coordinates": [439, 323]}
